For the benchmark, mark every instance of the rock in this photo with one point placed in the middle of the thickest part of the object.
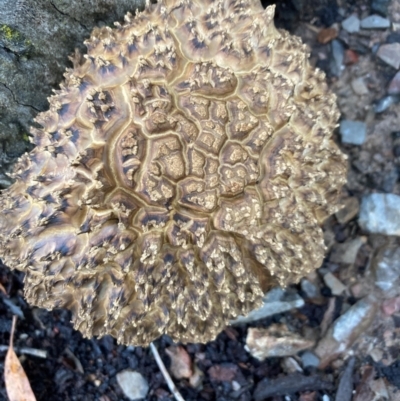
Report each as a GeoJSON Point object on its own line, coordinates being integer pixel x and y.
{"type": "Point", "coordinates": [393, 37]}
{"type": "Point", "coordinates": [225, 372]}
{"type": "Point", "coordinates": [350, 57]}
{"type": "Point", "coordinates": [326, 35]}
{"type": "Point", "coordinates": [235, 385]}
{"type": "Point", "coordinates": [351, 207]}
{"type": "Point", "coordinates": [359, 87]}
{"type": "Point", "coordinates": [390, 54]}
{"type": "Point", "coordinates": [394, 85]}
{"type": "Point", "coordinates": [380, 214]}
{"type": "Point", "coordinates": [347, 251]}
{"type": "Point", "coordinates": [375, 22]}
{"type": "Point", "coordinates": [351, 24]}
{"type": "Point", "coordinates": [337, 57]}
{"type": "Point", "coordinates": [335, 285]}
{"type": "Point", "coordinates": [309, 359]}
{"type": "Point", "coordinates": [384, 103]}
{"type": "Point", "coordinates": [290, 365]}
{"type": "Point", "coordinates": [391, 306]}
{"type": "Point", "coordinates": [346, 329]}
{"type": "Point", "coordinates": [181, 364]}
{"type": "Point", "coordinates": [385, 266]}
{"type": "Point", "coordinates": [275, 301]}
{"type": "Point", "coordinates": [309, 288]}
{"type": "Point", "coordinates": [390, 178]}
{"type": "Point", "coordinates": [353, 132]}
{"type": "Point", "coordinates": [380, 6]}
{"type": "Point", "coordinates": [275, 341]}
{"type": "Point", "coordinates": [133, 384]}
{"type": "Point", "coordinates": [290, 384]}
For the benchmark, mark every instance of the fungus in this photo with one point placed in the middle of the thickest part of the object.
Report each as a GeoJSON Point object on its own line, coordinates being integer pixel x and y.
{"type": "Point", "coordinates": [184, 167]}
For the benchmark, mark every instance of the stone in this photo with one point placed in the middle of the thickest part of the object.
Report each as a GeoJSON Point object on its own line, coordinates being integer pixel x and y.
{"type": "Point", "coordinates": [290, 365]}
{"type": "Point", "coordinates": [351, 24]}
{"type": "Point", "coordinates": [337, 57]}
{"type": "Point", "coordinates": [275, 341]}
{"type": "Point", "coordinates": [359, 87]}
{"type": "Point", "coordinates": [346, 329]}
{"type": "Point", "coordinates": [309, 289]}
{"type": "Point", "coordinates": [133, 384]}
{"type": "Point", "coordinates": [351, 207]}
{"type": "Point", "coordinates": [326, 35]}
{"type": "Point", "coordinates": [335, 285]}
{"type": "Point", "coordinates": [309, 359]}
{"type": "Point", "coordinates": [394, 85]}
{"type": "Point", "coordinates": [380, 214]}
{"type": "Point", "coordinates": [346, 252]}
{"type": "Point", "coordinates": [390, 54]}
{"type": "Point", "coordinates": [380, 6]}
{"type": "Point", "coordinates": [375, 22]}
{"type": "Point", "coordinates": [274, 302]}
{"type": "Point", "coordinates": [353, 132]}
{"type": "Point", "coordinates": [386, 268]}
{"type": "Point", "coordinates": [384, 103]}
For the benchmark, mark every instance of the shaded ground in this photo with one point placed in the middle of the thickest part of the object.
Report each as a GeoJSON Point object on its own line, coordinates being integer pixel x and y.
{"type": "Point", "coordinates": [81, 369]}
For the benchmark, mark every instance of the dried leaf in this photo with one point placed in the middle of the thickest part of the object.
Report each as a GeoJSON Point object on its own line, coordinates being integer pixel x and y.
{"type": "Point", "coordinates": [17, 384]}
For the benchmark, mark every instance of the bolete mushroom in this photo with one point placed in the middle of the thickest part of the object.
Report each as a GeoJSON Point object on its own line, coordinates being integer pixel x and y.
{"type": "Point", "coordinates": [184, 168]}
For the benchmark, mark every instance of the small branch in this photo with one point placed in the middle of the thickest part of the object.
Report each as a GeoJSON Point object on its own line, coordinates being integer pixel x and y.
{"type": "Point", "coordinates": [165, 373]}
{"type": "Point", "coordinates": [26, 350]}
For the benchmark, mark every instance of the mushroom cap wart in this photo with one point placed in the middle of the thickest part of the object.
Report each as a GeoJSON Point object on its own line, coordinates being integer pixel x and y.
{"type": "Point", "coordinates": [184, 168]}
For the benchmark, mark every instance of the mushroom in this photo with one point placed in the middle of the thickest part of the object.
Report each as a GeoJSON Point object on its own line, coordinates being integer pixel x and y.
{"type": "Point", "coordinates": [183, 169]}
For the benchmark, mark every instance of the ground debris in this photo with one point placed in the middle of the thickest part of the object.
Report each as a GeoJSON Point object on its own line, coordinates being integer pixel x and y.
{"type": "Point", "coordinates": [291, 384]}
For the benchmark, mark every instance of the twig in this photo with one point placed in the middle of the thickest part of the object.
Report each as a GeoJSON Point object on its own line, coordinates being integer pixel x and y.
{"type": "Point", "coordinates": [165, 373]}
{"type": "Point", "coordinates": [26, 350]}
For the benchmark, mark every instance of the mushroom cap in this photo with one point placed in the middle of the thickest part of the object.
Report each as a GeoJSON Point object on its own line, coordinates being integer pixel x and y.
{"type": "Point", "coordinates": [184, 168]}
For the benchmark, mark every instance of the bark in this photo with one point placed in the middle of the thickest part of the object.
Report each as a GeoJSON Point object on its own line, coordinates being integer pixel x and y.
{"type": "Point", "coordinates": [36, 38]}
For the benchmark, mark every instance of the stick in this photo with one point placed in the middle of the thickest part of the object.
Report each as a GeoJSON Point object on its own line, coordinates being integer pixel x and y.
{"type": "Point", "coordinates": [165, 373]}
{"type": "Point", "coordinates": [26, 350]}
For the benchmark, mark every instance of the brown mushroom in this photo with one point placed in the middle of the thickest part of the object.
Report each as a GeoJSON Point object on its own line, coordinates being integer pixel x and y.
{"type": "Point", "coordinates": [184, 168]}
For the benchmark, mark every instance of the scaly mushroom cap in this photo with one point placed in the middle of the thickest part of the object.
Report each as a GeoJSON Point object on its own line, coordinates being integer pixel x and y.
{"type": "Point", "coordinates": [183, 169]}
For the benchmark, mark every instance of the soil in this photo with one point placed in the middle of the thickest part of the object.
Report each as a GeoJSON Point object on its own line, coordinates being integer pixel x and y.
{"type": "Point", "coordinates": [82, 369]}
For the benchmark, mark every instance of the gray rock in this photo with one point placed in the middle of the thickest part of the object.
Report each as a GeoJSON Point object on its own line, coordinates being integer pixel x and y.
{"type": "Point", "coordinates": [351, 207]}
{"type": "Point", "coordinates": [336, 286]}
{"type": "Point", "coordinates": [385, 102]}
{"type": "Point", "coordinates": [309, 288]}
{"type": "Point", "coordinates": [375, 22]}
{"type": "Point", "coordinates": [275, 301]}
{"type": "Point", "coordinates": [309, 359]}
{"type": "Point", "coordinates": [380, 214]}
{"type": "Point", "coordinates": [390, 54]}
{"type": "Point", "coordinates": [346, 252]}
{"type": "Point", "coordinates": [353, 132]}
{"type": "Point", "coordinates": [380, 6]}
{"type": "Point", "coordinates": [394, 85]}
{"type": "Point", "coordinates": [346, 329]}
{"type": "Point", "coordinates": [337, 57]}
{"type": "Point", "coordinates": [359, 86]}
{"type": "Point", "coordinates": [133, 384]}
{"type": "Point", "coordinates": [348, 324]}
{"type": "Point", "coordinates": [351, 24]}
{"type": "Point", "coordinates": [386, 268]}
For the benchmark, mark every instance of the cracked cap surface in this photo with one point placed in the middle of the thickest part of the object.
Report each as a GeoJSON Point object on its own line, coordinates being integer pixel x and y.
{"type": "Point", "coordinates": [184, 168]}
